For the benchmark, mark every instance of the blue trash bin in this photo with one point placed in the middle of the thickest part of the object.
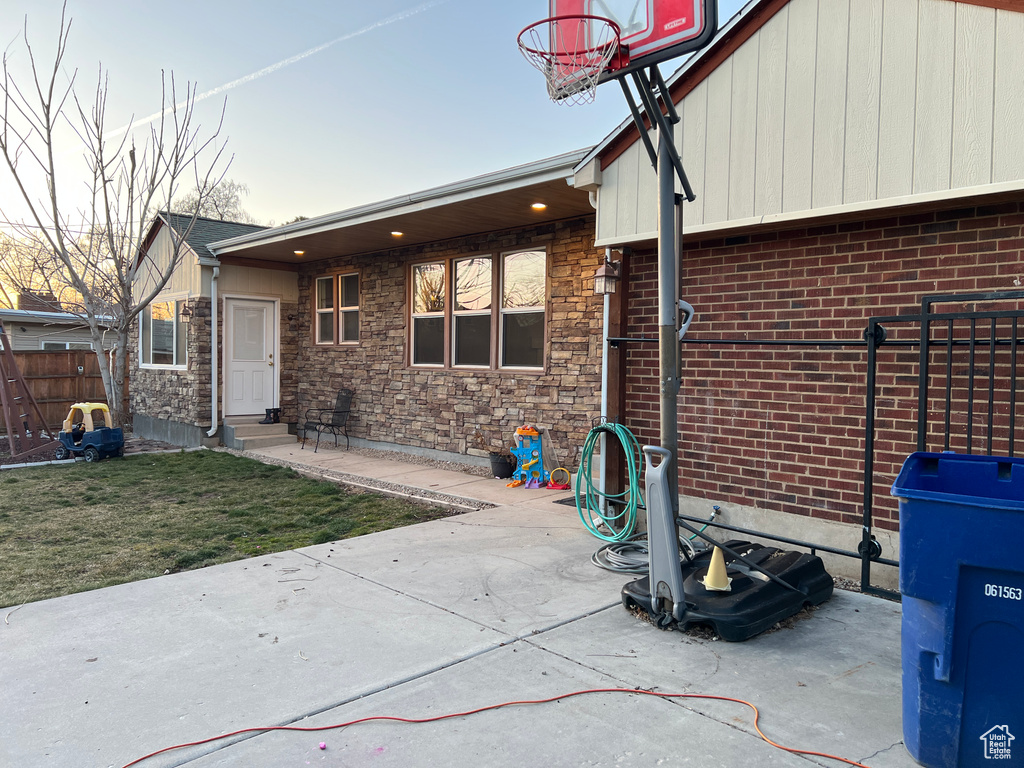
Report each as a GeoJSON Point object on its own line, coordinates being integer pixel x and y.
{"type": "Point", "coordinates": [962, 580]}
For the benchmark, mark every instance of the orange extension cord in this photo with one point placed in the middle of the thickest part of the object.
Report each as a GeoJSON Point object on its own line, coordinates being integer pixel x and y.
{"type": "Point", "coordinates": [757, 717]}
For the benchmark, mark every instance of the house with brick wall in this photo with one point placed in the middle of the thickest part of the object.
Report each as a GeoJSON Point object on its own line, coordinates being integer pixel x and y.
{"type": "Point", "coordinates": [455, 315]}
{"type": "Point", "coordinates": [850, 157]}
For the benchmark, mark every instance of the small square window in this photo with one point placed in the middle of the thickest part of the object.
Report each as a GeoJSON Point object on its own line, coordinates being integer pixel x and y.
{"type": "Point", "coordinates": [336, 309]}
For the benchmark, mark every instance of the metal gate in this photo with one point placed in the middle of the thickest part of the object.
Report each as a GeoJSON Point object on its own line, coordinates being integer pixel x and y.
{"type": "Point", "coordinates": [968, 367]}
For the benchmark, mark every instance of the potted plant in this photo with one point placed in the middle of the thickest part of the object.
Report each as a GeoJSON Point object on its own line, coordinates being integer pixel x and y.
{"type": "Point", "coordinates": [503, 463]}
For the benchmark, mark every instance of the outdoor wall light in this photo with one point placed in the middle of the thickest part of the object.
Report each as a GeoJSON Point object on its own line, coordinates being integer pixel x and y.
{"type": "Point", "coordinates": [606, 279]}
{"type": "Point", "coordinates": [186, 313]}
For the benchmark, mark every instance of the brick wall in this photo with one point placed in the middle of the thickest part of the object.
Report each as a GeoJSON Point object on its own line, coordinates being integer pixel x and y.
{"type": "Point", "coordinates": [782, 428]}
{"type": "Point", "coordinates": [460, 410]}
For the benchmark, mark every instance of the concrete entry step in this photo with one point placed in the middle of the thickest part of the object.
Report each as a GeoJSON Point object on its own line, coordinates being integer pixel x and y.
{"type": "Point", "coordinates": [251, 443]}
{"type": "Point", "coordinates": [258, 430]}
{"type": "Point", "coordinates": [249, 435]}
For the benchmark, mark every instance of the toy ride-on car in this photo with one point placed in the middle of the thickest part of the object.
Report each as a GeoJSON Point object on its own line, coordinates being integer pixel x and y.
{"type": "Point", "coordinates": [80, 436]}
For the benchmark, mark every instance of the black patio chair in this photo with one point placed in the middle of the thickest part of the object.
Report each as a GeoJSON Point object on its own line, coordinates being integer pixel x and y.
{"type": "Point", "coordinates": [333, 421]}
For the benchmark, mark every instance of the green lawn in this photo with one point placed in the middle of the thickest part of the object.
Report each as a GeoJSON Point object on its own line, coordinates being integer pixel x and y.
{"type": "Point", "coordinates": [68, 529]}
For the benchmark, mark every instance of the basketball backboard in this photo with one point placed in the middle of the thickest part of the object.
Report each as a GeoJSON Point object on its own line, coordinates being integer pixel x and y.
{"type": "Point", "coordinates": [652, 30]}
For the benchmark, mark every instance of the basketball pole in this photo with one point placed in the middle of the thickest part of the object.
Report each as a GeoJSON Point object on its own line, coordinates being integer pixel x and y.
{"type": "Point", "coordinates": [668, 314]}
{"type": "Point", "coordinates": [661, 114]}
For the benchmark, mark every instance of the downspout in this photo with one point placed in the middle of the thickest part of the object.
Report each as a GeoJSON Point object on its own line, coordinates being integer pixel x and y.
{"type": "Point", "coordinates": [214, 356]}
{"type": "Point", "coordinates": [604, 390]}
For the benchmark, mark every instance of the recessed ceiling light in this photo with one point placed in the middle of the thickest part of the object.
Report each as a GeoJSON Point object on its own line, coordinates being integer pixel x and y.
{"type": "Point", "coordinates": [298, 253]}
{"type": "Point", "coordinates": [396, 233]}
{"type": "Point", "coordinates": [538, 206]}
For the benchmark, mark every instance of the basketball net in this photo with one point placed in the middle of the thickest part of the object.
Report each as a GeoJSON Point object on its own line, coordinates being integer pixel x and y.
{"type": "Point", "coordinates": [571, 52]}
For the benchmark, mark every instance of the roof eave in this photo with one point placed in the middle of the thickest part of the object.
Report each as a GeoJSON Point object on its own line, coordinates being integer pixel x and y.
{"type": "Point", "coordinates": [549, 169]}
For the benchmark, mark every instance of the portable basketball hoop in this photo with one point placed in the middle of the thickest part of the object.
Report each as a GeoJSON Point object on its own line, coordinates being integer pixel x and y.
{"type": "Point", "coordinates": [572, 52]}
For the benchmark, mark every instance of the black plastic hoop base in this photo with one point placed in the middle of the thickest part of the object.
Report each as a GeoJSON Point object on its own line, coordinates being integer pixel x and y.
{"type": "Point", "coordinates": [753, 605]}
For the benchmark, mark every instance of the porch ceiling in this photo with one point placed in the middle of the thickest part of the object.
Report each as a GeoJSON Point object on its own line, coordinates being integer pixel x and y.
{"type": "Point", "coordinates": [421, 222]}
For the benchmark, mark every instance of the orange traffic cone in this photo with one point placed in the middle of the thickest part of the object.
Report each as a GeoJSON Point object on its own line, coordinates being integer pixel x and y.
{"type": "Point", "coordinates": [717, 580]}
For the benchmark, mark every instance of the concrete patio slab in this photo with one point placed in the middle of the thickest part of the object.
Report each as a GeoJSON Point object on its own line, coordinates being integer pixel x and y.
{"type": "Point", "coordinates": [495, 605]}
{"type": "Point", "coordinates": [828, 680]}
{"type": "Point", "coordinates": [516, 570]}
{"type": "Point", "coordinates": [100, 677]}
{"type": "Point", "coordinates": [486, 489]}
{"type": "Point", "coordinates": [592, 730]}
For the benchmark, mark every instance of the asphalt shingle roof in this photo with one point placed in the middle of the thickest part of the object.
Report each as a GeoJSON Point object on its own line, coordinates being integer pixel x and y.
{"type": "Point", "coordinates": [208, 231]}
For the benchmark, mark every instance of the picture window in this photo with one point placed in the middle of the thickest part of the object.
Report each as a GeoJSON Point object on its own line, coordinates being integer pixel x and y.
{"type": "Point", "coordinates": [482, 312]}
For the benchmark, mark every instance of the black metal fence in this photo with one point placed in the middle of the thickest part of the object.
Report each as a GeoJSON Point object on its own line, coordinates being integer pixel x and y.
{"type": "Point", "coordinates": [967, 375]}
{"type": "Point", "coordinates": [951, 385]}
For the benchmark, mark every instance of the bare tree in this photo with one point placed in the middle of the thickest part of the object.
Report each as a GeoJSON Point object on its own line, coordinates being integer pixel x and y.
{"type": "Point", "coordinates": [98, 249]}
{"type": "Point", "coordinates": [28, 266]}
{"type": "Point", "coordinates": [223, 202]}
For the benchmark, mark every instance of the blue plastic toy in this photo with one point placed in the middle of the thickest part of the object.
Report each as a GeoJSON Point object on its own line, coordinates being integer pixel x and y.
{"type": "Point", "coordinates": [529, 460]}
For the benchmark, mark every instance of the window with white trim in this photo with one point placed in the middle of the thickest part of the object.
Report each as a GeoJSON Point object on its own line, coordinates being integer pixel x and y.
{"type": "Point", "coordinates": [485, 311]}
{"type": "Point", "coordinates": [163, 340]}
{"type": "Point", "coordinates": [348, 308]}
{"type": "Point", "coordinates": [336, 309]}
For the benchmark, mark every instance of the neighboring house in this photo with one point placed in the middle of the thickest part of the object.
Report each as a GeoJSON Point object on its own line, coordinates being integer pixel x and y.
{"type": "Point", "coordinates": [455, 314]}
{"type": "Point", "coordinates": [30, 329]}
{"type": "Point", "coordinates": [849, 157]}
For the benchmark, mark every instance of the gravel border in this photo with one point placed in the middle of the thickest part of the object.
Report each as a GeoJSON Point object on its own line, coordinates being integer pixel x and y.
{"type": "Point", "coordinates": [412, 458]}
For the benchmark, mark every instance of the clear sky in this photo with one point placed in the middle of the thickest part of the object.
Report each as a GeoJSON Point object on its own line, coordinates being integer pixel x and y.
{"type": "Point", "coordinates": [330, 103]}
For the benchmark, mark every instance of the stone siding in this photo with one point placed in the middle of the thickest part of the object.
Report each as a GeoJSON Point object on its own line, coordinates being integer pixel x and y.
{"type": "Point", "coordinates": [175, 395]}
{"type": "Point", "coordinates": [458, 410]}
{"type": "Point", "coordinates": [184, 396]}
{"type": "Point", "coordinates": [290, 373]}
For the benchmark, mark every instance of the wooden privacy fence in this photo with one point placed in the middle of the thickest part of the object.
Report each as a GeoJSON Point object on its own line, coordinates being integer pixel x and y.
{"type": "Point", "coordinates": [59, 379]}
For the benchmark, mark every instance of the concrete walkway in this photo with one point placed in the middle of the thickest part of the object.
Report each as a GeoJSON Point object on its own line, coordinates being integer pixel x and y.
{"type": "Point", "coordinates": [494, 605]}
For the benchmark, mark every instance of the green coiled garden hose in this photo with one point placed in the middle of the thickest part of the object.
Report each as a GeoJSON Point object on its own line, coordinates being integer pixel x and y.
{"type": "Point", "coordinates": [608, 526]}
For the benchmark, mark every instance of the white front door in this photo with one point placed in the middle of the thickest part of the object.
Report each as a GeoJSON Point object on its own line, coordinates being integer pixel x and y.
{"type": "Point", "coordinates": [250, 343]}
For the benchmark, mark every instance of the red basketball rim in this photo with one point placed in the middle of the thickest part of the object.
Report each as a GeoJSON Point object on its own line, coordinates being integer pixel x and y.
{"type": "Point", "coordinates": [569, 17]}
